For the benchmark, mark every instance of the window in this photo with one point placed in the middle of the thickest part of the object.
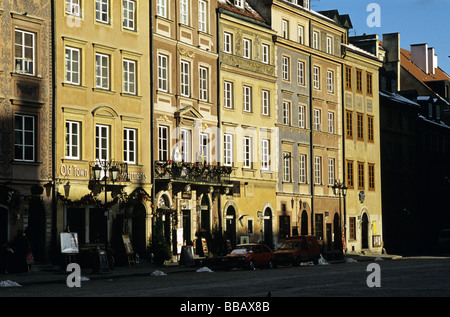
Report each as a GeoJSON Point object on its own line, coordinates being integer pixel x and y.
{"type": "Point", "coordinates": [247, 152]}
{"type": "Point", "coordinates": [285, 68]}
{"type": "Point", "coordinates": [204, 147]}
{"type": "Point", "coordinates": [185, 72]}
{"type": "Point", "coordinates": [129, 146]}
{"type": "Point", "coordinates": [360, 175]}
{"type": "Point", "coordinates": [300, 34]}
{"type": "Point", "coordinates": [329, 45]}
{"type": "Point", "coordinates": [25, 47]}
{"type": "Point", "coordinates": [247, 48]}
{"type": "Point", "coordinates": [72, 66]}
{"type": "Point", "coordinates": [186, 147]}
{"type": "Point", "coordinates": [316, 77]}
{"type": "Point", "coordinates": [286, 113]}
{"type": "Point", "coordinates": [306, 4]}
{"type": "Point", "coordinates": [370, 129]}
{"type": "Point", "coordinates": [265, 53]}
{"type": "Point", "coordinates": [247, 98]}
{"type": "Point", "coordinates": [371, 176]}
{"type": "Point", "coordinates": [162, 72]}
{"type": "Point", "coordinates": [285, 29]}
{"type": "Point", "coordinates": [265, 102]}
{"type": "Point", "coordinates": [161, 8]}
{"type": "Point", "coordinates": [349, 124]}
{"type": "Point", "coordinates": [330, 81]}
{"type": "Point", "coordinates": [73, 7]}
{"type": "Point", "coordinates": [369, 83]}
{"type": "Point", "coordinates": [228, 43]}
{"type": "Point", "coordinates": [317, 120]}
{"type": "Point", "coordinates": [102, 11]}
{"type": "Point", "coordinates": [359, 80]}
{"type": "Point", "coordinates": [331, 167]}
{"type": "Point", "coordinates": [352, 228]}
{"type": "Point", "coordinates": [102, 71]}
{"type": "Point", "coordinates": [24, 138]}
{"type": "Point", "coordinates": [163, 143]}
{"type": "Point", "coordinates": [350, 182]}
{"type": "Point", "coordinates": [265, 155]}
{"type": "Point", "coordinates": [228, 95]}
{"type": "Point", "coordinates": [330, 122]}
{"type": "Point", "coordinates": [228, 149]}
{"type": "Point", "coordinates": [360, 126]}
{"type": "Point", "coordinates": [239, 4]}
{"type": "Point", "coordinates": [129, 14]}
{"type": "Point", "coordinates": [348, 77]}
{"type": "Point", "coordinates": [316, 40]}
{"type": "Point", "coordinates": [102, 142]}
{"type": "Point", "coordinates": [318, 170]}
{"type": "Point", "coordinates": [302, 168]}
{"type": "Point", "coordinates": [301, 73]}
{"type": "Point", "coordinates": [286, 167]}
{"type": "Point", "coordinates": [184, 12]}
{"type": "Point", "coordinates": [203, 85]}
{"type": "Point", "coordinates": [73, 140]}
{"type": "Point", "coordinates": [129, 77]}
{"type": "Point", "coordinates": [202, 16]}
{"type": "Point", "coordinates": [301, 116]}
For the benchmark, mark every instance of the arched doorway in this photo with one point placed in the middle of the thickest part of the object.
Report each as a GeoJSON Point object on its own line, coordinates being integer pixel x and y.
{"type": "Point", "coordinates": [230, 225]}
{"type": "Point", "coordinates": [268, 229]}
{"type": "Point", "coordinates": [304, 223]}
{"type": "Point", "coordinates": [365, 231]}
{"type": "Point", "coordinates": [205, 215]}
{"type": "Point", "coordinates": [138, 232]}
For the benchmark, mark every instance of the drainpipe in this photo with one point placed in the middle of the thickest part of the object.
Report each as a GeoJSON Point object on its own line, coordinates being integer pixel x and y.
{"type": "Point", "coordinates": [152, 129]}
{"type": "Point", "coordinates": [219, 125]}
{"type": "Point", "coordinates": [343, 142]}
{"type": "Point", "coordinates": [311, 118]}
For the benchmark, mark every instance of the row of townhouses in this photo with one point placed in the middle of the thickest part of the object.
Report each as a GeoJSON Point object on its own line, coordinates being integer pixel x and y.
{"type": "Point", "coordinates": [255, 120]}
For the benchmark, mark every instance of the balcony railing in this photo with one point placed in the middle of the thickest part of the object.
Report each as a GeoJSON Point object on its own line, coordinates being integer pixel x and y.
{"type": "Point", "coordinates": [192, 172]}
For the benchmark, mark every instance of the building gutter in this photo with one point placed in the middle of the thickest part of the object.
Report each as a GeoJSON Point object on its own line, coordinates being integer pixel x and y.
{"type": "Point", "coordinates": [152, 146]}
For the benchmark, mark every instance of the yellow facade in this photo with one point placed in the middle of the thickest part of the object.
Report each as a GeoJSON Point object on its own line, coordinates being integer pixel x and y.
{"type": "Point", "coordinates": [362, 151]}
{"type": "Point", "coordinates": [247, 126]}
{"type": "Point", "coordinates": [103, 114]}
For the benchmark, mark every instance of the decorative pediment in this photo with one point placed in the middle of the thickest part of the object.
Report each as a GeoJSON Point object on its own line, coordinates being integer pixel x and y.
{"type": "Point", "coordinates": [188, 112]}
{"type": "Point", "coordinates": [104, 111]}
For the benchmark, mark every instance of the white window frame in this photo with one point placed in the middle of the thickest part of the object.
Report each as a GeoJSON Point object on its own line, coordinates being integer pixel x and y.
{"type": "Point", "coordinates": [330, 81]}
{"type": "Point", "coordinates": [129, 145]}
{"type": "Point", "coordinates": [317, 119]}
{"type": "Point", "coordinates": [331, 122]}
{"type": "Point", "coordinates": [265, 155]}
{"type": "Point", "coordinates": [24, 64]}
{"type": "Point", "coordinates": [301, 73]}
{"type": "Point", "coordinates": [186, 145]}
{"type": "Point", "coordinates": [285, 68]}
{"type": "Point", "coordinates": [286, 113]}
{"type": "Point", "coordinates": [203, 83]}
{"type": "Point", "coordinates": [129, 14]}
{"type": "Point", "coordinates": [73, 66]}
{"type": "Point", "coordinates": [265, 53]}
{"type": "Point", "coordinates": [102, 134]}
{"type": "Point", "coordinates": [184, 12]}
{"type": "Point", "coordinates": [102, 63]}
{"type": "Point", "coordinates": [203, 16]}
{"type": "Point", "coordinates": [102, 14]}
{"type": "Point", "coordinates": [228, 149]}
{"type": "Point", "coordinates": [316, 40]}
{"type": "Point", "coordinates": [301, 116]}
{"type": "Point", "coordinates": [185, 78]}
{"type": "Point", "coordinates": [248, 98]}
{"type": "Point", "coordinates": [286, 167]}
{"type": "Point", "coordinates": [248, 155]}
{"type": "Point", "coordinates": [163, 72]}
{"type": "Point", "coordinates": [204, 147]}
{"type": "Point", "coordinates": [302, 169]}
{"type": "Point", "coordinates": [316, 80]}
{"type": "Point", "coordinates": [300, 34]}
{"type": "Point", "coordinates": [239, 3]}
{"type": "Point", "coordinates": [163, 143]}
{"type": "Point", "coordinates": [73, 7]}
{"type": "Point", "coordinates": [329, 45]}
{"type": "Point", "coordinates": [318, 170]}
{"type": "Point", "coordinates": [161, 8]}
{"type": "Point", "coordinates": [228, 95]}
{"type": "Point", "coordinates": [265, 102]}
{"type": "Point", "coordinates": [331, 171]}
{"type": "Point", "coordinates": [247, 44]}
{"type": "Point", "coordinates": [129, 76]}
{"type": "Point", "coordinates": [73, 140]}
{"type": "Point", "coordinates": [23, 132]}
{"type": "Point", "coordinates": [285, 28]}
{"type": "Point", "coordinates": [228, 42]}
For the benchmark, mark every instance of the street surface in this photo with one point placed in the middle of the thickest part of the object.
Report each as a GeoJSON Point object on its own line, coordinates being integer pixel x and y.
{"type": "Point", "coordinates": [415, 277]}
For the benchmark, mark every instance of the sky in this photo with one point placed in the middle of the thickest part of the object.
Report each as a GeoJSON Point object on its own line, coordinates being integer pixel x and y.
{"type": "Point", "coordinates": [417, 21]}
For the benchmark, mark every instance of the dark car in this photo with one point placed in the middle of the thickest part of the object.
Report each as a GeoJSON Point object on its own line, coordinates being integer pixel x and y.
{"type": "Point", "coordinates": [249, 256]}
{"type": "Point", "coordinates": [298, 249]}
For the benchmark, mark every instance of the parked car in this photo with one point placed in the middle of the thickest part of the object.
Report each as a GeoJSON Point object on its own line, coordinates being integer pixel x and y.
{"type": "Point", "coordinates": [297, 249]}
{"type": "Point", "coordinates": [249, 256]}
{"type": "Point", "coordinates": [444, 238]}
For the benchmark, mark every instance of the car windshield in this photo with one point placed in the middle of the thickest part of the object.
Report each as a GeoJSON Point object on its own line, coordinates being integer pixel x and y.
{"type": "Point", "coordinates": [290, 245]}
{"type": "Point", "coordinates": [243, 250]}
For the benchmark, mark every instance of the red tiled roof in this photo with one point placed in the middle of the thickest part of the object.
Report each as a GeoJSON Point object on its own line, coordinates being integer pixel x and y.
{"type": "Point", "coordinates": [406, 63]}
{"type": "Point", "coordinates": [248, 12]}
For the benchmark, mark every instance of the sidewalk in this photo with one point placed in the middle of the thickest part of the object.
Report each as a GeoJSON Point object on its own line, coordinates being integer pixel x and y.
{"type": "Point", "coordinates": [47, 273]}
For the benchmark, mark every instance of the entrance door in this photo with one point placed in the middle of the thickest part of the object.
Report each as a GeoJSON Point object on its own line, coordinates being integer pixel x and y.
{"type": "Point", "coordinates": [304, 225]}
{"type": "Point", "coordinates": [98, 231]}
{"type": "Point", "coordinates": [187, 226]}
{"type": "Point", "coordinates": [365, 232]}
{"type": "Point", "coordinates": [231, 225]}
{"type": "Point", "coordinates": [138, 236]}
{"type": "Point", "coordinates": [268, 230]}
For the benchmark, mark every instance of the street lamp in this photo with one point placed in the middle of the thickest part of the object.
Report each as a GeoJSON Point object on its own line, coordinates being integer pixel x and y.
{"type": "Point", "coordinates": [340, 189]}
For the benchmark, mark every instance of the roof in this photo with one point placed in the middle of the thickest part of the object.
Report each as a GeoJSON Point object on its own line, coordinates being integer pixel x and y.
{"type": "Point", "coordinates": [248, 11]}
{"type": "Point", "coordinates": [406, 62]}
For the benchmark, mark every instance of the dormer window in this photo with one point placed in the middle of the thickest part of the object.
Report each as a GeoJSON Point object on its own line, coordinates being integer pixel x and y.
{"type": "Point", "coordinates": [306, 4]}
{"type": "Point", "coordinates": [239, 4]}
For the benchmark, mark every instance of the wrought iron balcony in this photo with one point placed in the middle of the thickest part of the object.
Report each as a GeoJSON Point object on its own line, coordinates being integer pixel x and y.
{"type": "Point", "coordinates": [192, 172]}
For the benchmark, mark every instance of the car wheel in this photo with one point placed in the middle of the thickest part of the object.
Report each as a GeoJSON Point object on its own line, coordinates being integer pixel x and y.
{"type": "Point", "coordinates": [270, 265]}
{"type": "Point", "coordinates": [251, 265]}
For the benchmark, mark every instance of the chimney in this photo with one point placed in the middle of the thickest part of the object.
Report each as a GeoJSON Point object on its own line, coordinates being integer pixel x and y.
{"type": "Point", "coordinates": [432, 61]}
{"type": "Point", "coordinates": [419, 56]}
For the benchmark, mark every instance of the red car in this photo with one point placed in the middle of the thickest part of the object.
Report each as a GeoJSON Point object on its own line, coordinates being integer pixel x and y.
{"type": "Point", "coordinates": [249, 256]}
